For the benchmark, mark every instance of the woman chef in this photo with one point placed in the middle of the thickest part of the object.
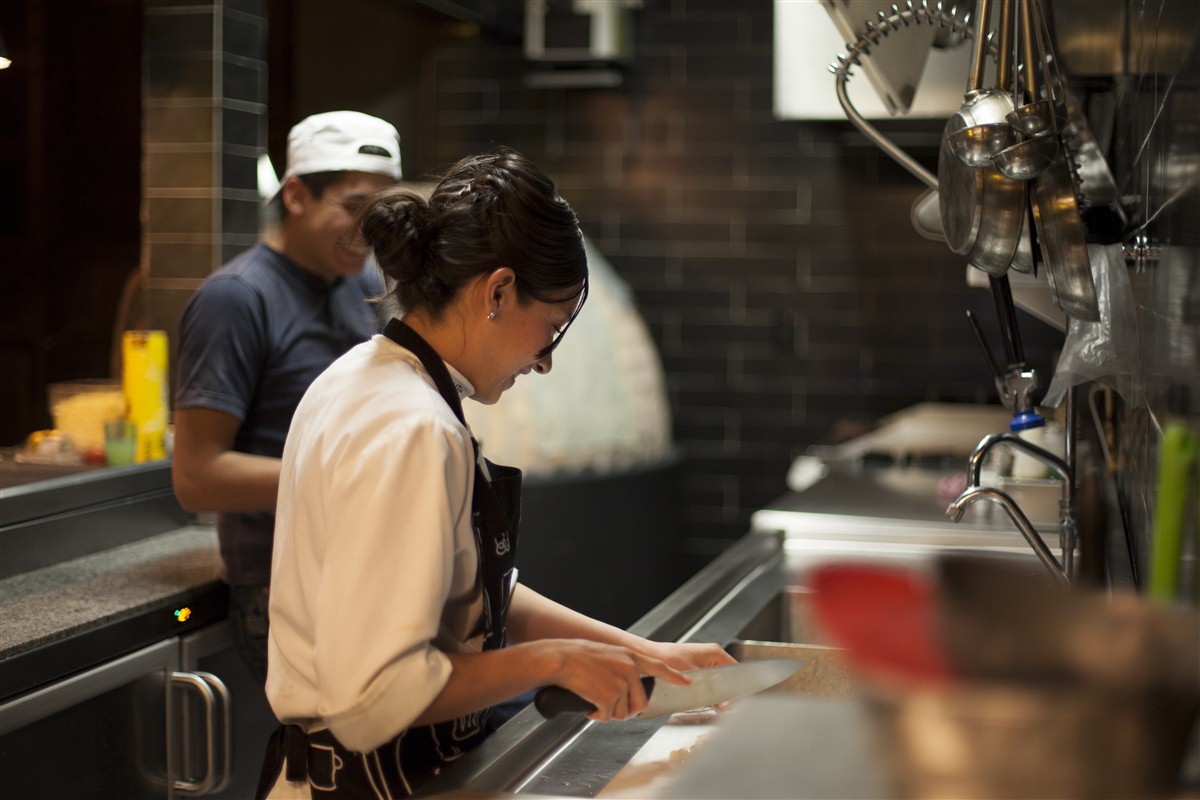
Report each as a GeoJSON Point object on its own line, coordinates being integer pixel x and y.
{"type": "Point", "coordinates": [396, 619]}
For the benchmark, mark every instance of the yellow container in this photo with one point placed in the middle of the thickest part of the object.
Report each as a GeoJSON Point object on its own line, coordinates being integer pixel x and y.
{"type": "Point", "coordinates": [145, 379]}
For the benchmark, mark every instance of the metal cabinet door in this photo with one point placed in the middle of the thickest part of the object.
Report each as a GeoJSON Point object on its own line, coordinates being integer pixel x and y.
{"type": "Point", "coordinates": [99, 734]}
{"type": "Point", "coordinates": [212, 651]}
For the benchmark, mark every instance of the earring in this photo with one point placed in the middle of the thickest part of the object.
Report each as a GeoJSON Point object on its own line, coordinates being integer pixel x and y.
{"type": "Point", "coordinates": [492, 315]}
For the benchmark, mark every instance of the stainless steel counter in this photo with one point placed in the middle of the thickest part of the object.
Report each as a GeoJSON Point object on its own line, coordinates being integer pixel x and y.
{"type": "Point", "coordinates": [891, 513]}
{"type": "Point", "coordinates": [894, 515]}
{"type": "Point", "coordinates": [571, 756]}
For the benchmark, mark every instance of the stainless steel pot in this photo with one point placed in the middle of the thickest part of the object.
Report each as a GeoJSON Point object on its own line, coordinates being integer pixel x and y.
{"type": "Point", "coordinates": [1055, 209]}
{"type": "Point", "coordinates": [982, 209]}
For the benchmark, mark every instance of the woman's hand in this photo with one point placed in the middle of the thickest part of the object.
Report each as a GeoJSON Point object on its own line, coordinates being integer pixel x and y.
{"type": "Point", "coordinates": [688, 656]}
{"type": "Point", "coordinates": [608, 676]}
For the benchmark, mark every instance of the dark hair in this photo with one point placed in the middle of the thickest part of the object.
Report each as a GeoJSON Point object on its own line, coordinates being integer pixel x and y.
{"type": "Point", "coordinates": [488, 211]}
{"type": "Point", "coordinates": [317, 183]}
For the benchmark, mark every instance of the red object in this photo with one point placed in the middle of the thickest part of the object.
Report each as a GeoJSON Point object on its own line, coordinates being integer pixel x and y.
{"type": "Point", "coordinates": [885, 617]}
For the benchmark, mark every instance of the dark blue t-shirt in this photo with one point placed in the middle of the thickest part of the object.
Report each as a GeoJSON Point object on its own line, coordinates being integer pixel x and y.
{"type": "Point", "coordinates": [252, 338]}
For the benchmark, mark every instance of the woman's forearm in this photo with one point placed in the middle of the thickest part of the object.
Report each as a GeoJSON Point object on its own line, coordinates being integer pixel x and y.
{"type": "Point", "coordinates": [532, 617]}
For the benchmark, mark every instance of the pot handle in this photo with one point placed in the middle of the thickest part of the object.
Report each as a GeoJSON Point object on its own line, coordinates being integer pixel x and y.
{"type": "Point", "coordinates": [875, 32]}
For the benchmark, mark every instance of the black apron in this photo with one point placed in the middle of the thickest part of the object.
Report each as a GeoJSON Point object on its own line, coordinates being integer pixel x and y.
{"type": "Point", "coordinates": [418, 753]}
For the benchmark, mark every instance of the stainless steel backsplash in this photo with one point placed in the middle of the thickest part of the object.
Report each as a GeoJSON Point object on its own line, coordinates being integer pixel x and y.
{"type": "Point", "coordinates": [1138, 62]}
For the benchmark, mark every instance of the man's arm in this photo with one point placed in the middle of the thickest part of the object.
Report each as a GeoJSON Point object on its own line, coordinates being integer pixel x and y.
{"type": "Point", "coordinates": [209, 475]}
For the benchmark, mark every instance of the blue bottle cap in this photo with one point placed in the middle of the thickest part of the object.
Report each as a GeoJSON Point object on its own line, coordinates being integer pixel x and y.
{"type": "Point", "coordinates": [1024, 420]}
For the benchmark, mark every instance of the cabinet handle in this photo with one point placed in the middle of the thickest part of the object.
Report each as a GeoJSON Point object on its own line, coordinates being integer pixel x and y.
{"type": "Point", "coordinates": [217, 738]}
{"type": "Point", "coordinates": [225, 729]}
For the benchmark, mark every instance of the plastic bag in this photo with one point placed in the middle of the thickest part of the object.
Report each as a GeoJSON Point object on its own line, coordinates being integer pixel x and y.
{"type": "Point", "coordinates": [1104, 351]}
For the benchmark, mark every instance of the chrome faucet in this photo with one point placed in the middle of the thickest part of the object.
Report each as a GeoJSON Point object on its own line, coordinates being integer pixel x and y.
{"type": "Point", "coordinates": [1016, 387]}
{"type": "Point", "coordinates": [1066, 521]}
{"type": "Point", "coordinates": [974, 493]}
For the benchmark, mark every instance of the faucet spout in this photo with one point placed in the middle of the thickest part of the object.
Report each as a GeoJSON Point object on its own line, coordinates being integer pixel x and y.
{"type": "Point", "coordinates": [975, 465]}
{"type": "Point", "coordinates": [1066, 521]}
{"type": "Point", "coordinates": [975, 493]}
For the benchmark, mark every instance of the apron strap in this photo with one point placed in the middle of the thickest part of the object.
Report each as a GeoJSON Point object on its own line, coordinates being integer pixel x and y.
{"type": "Point", "coordinates": [484, 501]}
{"type": "Point", "coordinates": [410, 340]}
{"type": "Point", "coordinates": [288, 744]}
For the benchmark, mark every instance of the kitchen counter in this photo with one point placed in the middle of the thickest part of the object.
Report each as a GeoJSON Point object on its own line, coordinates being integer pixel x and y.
{"type": "Point", "coordinates": [71, 615]}
{"type": "Point", "coordinates": [890, 512]}
{"type": "Point", "coordinates": [768, 746]}
{"type": "Point", "coordinates": [96, 565]}
{"type": "Point", "coordinates": [115, 648]}
{"type": "Point", "coordinates": [57, 602]}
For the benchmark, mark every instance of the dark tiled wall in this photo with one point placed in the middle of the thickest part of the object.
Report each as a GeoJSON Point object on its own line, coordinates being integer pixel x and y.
{"type": "Point", "coordinates": [774, 261]}
{"type": "Point", "coordinates": [203, 128]}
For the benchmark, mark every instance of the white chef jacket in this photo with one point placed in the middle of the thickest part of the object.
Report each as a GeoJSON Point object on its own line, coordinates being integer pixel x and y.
{"type": "Point", "coordinates": [374, 569]}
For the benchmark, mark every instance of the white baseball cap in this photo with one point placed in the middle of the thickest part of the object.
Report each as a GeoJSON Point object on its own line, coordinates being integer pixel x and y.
{"type": "Point", "coordinates": [343, 141]}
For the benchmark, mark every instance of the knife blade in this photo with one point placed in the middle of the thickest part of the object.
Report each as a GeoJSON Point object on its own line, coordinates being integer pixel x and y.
{"type": "Point", "coordinates": [709, 686]}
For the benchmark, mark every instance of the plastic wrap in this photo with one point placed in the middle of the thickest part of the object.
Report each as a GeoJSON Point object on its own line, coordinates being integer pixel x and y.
{"type": "Point", "coordinates": [1104, 351]}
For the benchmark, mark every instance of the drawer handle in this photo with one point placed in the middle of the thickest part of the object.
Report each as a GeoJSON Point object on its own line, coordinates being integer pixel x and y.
{"type": "Point", "coordinates": [217, 735]}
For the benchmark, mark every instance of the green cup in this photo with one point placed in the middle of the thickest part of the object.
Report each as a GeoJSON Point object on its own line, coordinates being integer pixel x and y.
{"type": "Point", "coordinates": [120, 443]}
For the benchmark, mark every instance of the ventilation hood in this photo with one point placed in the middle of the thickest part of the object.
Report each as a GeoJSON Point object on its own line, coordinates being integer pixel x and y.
{"type": "Point", "coordinates": [917, 71]}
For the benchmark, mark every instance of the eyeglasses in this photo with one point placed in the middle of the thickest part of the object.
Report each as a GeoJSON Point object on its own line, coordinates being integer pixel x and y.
{"type": "Point", "coordinates": [559, 337]}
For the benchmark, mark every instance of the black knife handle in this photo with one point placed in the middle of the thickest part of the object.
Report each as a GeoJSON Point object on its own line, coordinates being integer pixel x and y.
{"type": "Point", "coordinates": [551, 701]}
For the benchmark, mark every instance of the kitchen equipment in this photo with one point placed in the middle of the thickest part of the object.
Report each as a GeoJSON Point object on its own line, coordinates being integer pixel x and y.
{"type": "Point", "coordinates": [1016, 383]}
{"type": "Point", "coordinates": [950, 24]}
{"type": "Point", "coordinates": [1055, 209]}
{"type": "Point", "coordinates": [987, 741]}
{"type": "Point", "coordinates": [928, 205]}
{"type": "Point", "coordinates": [926, 217]}
{"type": "Point", "coordinates": [1027, 159]}
{"type": "Point", "coordinates": [1033, 118]}
{"type": "Point", "coordinates": [982, 209]}
{"type": "Point", "coordinates": [1064, 693]}
{"type": "Point", "coordinates": [1023, 260]}
{"type": "Point", "coordinates": [977, 145]}
{"type": "Point", "coordinates": [1062, 243]}
{"type": "Point", "coordinates": [1006, 314]}
{"type": "Point", "coordinates": [1036, 116]}
{"type": "Point", "coordinates": [885, 618]}
{"type": "Point", "coordinates": [709, 687]}
{"type": "Point", "coordinates": [1104, 217]}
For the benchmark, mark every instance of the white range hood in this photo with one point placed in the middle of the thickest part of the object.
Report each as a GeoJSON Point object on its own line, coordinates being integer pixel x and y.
{"type": "Point", "coordinates": [809, 36]}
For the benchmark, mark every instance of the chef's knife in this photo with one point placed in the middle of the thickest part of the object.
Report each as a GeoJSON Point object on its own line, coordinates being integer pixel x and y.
{"type": "Point", "coordinates": [709, 686]}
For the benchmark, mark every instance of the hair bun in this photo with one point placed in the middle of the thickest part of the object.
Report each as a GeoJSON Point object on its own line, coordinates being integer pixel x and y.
{"type": "Point", "coordinates": [393, 223]}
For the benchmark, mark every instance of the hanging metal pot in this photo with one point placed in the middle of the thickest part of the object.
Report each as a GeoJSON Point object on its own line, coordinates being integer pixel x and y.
{"type": "Point", "coordinates": [982, 209]}
{"type": "Point", "coordinates": [1060, 232]}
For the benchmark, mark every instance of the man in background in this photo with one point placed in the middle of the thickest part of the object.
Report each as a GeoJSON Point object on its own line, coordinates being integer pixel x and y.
{"type": "Point", "coordinates": [259, 330]}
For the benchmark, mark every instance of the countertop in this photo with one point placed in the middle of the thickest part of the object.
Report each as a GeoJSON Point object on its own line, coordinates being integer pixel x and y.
{"type": "Point", "coordinates": [891, 512]}
{"type": "Point", "coordinates": [86, 596]}
{"type": "Point", "coordinates": [768, 746]}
